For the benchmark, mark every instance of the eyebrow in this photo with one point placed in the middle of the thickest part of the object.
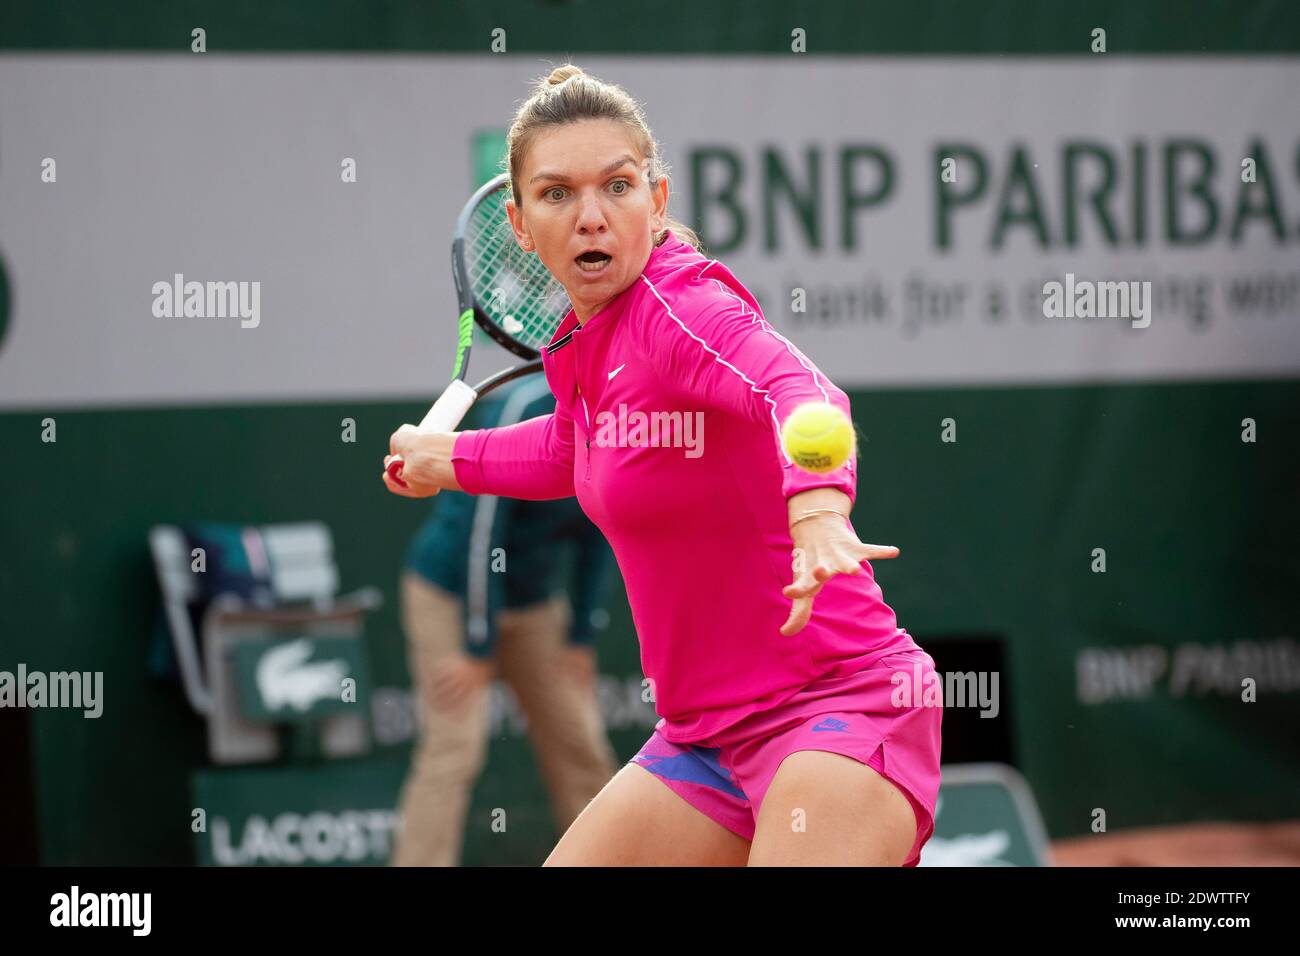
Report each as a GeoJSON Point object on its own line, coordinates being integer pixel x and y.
{"type": "Point", "coordinates": [621, 161]}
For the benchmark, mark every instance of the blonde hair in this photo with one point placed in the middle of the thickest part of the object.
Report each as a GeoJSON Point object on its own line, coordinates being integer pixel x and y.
{"type": "Point", "coordinates": [568, 95]}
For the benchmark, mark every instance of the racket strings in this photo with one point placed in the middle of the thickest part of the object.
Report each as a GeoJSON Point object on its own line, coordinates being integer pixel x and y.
{"type": "Point", "coordinates": [513, 287]}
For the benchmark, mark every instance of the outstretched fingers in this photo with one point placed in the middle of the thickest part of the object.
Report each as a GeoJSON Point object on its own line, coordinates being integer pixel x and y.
{"type": "Point", "coordinates": [878, 552]}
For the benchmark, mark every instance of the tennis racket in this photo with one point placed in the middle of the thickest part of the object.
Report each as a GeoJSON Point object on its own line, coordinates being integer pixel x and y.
{"type": "Point", "coordinates": [507, 291]}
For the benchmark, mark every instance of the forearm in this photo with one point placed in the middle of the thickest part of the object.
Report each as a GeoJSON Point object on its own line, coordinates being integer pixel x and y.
{"type": "Point", "coordinates": [532, 460]}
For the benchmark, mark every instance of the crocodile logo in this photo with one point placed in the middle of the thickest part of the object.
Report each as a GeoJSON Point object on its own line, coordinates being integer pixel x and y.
{"type": "Point", "coordinates": [286, 679]}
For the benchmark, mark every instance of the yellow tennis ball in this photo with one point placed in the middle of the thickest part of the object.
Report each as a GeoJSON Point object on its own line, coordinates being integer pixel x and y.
{"type": "Point", "coordinates": [818, 437]}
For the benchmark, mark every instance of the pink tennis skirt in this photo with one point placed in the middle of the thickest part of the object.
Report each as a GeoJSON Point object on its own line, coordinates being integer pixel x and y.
{"type": "Point", "coordinates": [876, 715]}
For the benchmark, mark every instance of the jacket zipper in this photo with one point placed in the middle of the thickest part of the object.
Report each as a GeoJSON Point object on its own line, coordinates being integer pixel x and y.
{"type": "Point", "coordinates": [577, 367]}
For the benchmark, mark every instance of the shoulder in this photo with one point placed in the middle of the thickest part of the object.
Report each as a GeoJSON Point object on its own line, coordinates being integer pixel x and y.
{"type": "Point", "coordinates": [696, 294]}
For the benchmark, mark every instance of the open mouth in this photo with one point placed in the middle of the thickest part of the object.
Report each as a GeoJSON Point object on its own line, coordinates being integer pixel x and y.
{"type": "Point", "coordinates": [593, 261]}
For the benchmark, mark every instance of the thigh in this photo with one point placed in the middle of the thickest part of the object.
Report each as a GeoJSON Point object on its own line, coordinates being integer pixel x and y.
{"type": "Point", "coordinates": [532, 659]}
{"type": "Point", "coordinates": [636, 820]}
{"type": "Point", "coordinates": [432, 621]}
{"type": "Point", "coordinates": [530, 645]}
{"type": "Point", "coordinates": [828, 809]}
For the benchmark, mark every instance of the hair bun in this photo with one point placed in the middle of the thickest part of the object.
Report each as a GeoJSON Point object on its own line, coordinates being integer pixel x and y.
{"type": "Point", "coordinates": [562, 73]}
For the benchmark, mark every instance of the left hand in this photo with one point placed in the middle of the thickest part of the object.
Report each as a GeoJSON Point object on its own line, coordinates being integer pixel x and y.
{"type": "Point", "coordinates": [824, 546]}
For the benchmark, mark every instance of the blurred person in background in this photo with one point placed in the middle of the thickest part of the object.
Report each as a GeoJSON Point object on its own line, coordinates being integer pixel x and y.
{"type": "Point", "coordinates": [482, 597]}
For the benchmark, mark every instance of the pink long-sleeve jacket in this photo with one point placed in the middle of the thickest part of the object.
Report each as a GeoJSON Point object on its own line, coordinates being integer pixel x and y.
{"type": "Point", "coordinates": [669, 404]}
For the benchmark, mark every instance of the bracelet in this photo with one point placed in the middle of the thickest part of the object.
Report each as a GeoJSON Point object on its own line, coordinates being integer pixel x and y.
{"type": "Point", "coordinates": [817, 511]}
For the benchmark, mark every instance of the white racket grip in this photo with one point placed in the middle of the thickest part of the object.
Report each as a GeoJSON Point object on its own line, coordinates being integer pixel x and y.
{"type": "Point", "coordinates": [449, 409]}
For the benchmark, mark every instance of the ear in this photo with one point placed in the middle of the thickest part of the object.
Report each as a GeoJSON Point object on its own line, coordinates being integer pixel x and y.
{"type": "Point", "coordinates": [659, 203]}
{"type": "Point", "coordinates": [516, 217]}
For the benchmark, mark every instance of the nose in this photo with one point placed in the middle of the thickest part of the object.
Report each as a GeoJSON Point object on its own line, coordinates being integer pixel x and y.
{"type": "Point", "coordinates": [591, 215]}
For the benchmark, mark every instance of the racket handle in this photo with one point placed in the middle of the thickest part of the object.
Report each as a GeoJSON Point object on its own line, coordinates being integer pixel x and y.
{"type": "Point", "coordinates": [449, 409]}
{"type": "Point", "coordinates": [446, 413]}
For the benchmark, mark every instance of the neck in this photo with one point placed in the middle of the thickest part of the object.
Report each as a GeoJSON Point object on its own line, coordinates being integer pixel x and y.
{"type": "Point", "coordinates": [585, 313]}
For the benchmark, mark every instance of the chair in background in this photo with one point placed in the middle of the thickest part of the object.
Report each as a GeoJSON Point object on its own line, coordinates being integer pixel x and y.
{"type": "Point", "coordinates": [237, 669]}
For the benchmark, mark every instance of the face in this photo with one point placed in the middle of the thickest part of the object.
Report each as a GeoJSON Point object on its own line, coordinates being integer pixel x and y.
{"type": "Point", "coordinates": [585, 196]}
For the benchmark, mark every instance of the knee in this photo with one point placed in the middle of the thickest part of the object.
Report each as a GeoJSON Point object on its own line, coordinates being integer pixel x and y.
{"type": "Point", "coordinates": [454, 756]}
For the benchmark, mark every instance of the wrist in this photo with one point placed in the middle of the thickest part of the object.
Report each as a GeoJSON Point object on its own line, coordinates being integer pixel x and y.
{"type": "Point", "coordinates": [818, 499]}
{"type": "Point", "coordinates": [811, 516]}
{"type": "Point", "coordinates": [440, 448]}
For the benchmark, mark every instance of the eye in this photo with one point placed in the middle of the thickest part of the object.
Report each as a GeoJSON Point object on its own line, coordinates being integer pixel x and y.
{"type": "Point", "coordinates": [620, 182]}
{"type": "Point", "coordinates": [550, 193]}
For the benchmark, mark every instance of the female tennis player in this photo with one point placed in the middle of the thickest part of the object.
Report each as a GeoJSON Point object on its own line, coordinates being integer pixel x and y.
{"type": "Point", "coordinates": [791, 729]}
